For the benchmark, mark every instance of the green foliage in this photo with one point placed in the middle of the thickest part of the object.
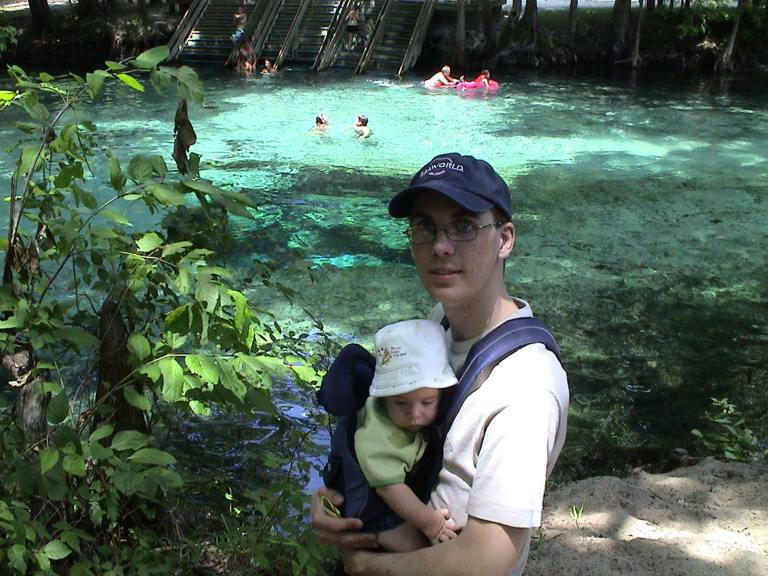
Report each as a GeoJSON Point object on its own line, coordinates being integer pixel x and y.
{"type": "Point", "coordinates": [264, 531]}
{"type": "Point", "coordinates": [728, 436]}
{"type": "Point", "coordinates": [576, 512]}
{"type": "Point", "coordinates": [83, 498]}
{"type": "Point", "coordinates": [7, 38]}
{"type": "Point", "coordinates": [703, 19]}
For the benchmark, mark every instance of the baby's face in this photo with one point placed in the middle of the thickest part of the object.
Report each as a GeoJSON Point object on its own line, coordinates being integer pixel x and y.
{"type": "Point", "coordinates": [414, 410]}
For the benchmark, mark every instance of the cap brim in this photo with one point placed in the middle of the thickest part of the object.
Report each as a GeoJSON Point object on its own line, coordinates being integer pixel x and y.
{"type": "Point", "coordinates": [400, 206]}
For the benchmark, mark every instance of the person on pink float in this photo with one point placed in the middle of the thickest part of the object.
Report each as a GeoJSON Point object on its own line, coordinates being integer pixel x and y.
{"type": "Point", "coordinates": [508, 433]}
{"type": "Point", "coordinates": [441, 79]}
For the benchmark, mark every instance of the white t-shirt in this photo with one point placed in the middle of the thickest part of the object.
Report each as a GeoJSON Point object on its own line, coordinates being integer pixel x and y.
{"type": "Point", "coordinates": [505, 439]}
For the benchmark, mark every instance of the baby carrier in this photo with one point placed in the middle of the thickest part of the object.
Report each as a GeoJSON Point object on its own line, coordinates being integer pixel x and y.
{"type": "Point", "coordinates": [344, 391]}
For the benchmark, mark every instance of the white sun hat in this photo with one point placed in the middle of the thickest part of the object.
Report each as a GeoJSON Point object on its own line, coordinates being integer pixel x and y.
{"type": "Point", "coordinates": [411, 354]}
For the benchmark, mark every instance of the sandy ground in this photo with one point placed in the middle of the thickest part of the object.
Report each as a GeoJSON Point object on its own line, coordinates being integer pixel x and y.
{"type": "Point", "coordinates": [709, 519]}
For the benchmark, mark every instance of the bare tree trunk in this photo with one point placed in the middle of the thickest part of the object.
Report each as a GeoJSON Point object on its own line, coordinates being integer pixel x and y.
{"type": "Point", "coordinates": [635, 58]}
{"type": "Point", "coordinates": [141, 6]}
{"type": "Point", "coordinates": [509, 25]}
{"type": "Point", "coordinates": [531, 20]}
{"type": "Point", "coordinates": [651, 5]}
{"type": "Point", "coordinates": [517, 9]}
{"type": "Point", "coordinates": [488, 28]}
{"type": "Point", "coordinates": [572, 19]}
{"type": "Point", "coordinates": [724, 63]}
{"type": "Point", "coordinates": [621, 13]}
{"type": "Point", "coordinates": [31, 404]}
{"type": "Point", "coordinates": [40, 12]}
{"type": "Point", "coordinates": [86, 8]}
{"type": "Point", "coordinates": [113, 369]}
{"type": "Point", "coordinates": [461, 33]}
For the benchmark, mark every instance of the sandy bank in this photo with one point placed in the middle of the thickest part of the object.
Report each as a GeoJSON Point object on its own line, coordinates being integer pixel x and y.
{"type": "Point", "coordinates": [708, 519]}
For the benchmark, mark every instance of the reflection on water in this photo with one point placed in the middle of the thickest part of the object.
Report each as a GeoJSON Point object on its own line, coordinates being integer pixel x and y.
{"type": "Point", "coordinates": [641, 219]}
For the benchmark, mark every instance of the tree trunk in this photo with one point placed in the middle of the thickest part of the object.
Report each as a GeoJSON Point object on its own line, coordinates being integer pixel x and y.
{"type": "Point", "coordinates": [141, 6]}
{"type": "Point", "coordinates": [651, 5]}
{"type": "Point", "coordinates": [572, 19]}
{"type": "Point", "coordinates": [31, 404]}
{"type": "Point", "coordinates": [488, 28]}
{"type": "Point", "coordinates": [40, 13]}
{"type": "Point", "coordinates": [635, 58]}
{"type": "Point", "coordinates": [508, 27]}
{"type": "Point", "coordinates": [531, 20]}
{"type": "Point", "coordinates": [461, 33]}
{"type": "Point", "coordinates": [724, 63]}
{"type": "Point", "coordinates": [621, 13]}
{"type": "Point", "coordinates": [86, 8]}
{"type": "Point", "coordinates": [113, 369]}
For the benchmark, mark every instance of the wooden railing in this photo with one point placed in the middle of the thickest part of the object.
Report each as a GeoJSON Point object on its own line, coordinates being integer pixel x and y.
{"type": "Point", "coordinates": [334, 37]}
{"type": "Point", "coordinates": [417, 38]}
{"type": "Point", "coordinates": [293, 33]}
{"type": "Point", "coordinates": [265, 28]}
{"type": "Point", "coordinates": [378, 32]}
{"type": "Point", "coordinates": [185, 27]}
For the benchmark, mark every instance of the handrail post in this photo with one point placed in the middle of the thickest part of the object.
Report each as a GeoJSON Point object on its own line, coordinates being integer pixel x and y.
{"type": "Point", "coordinates": [292, 32]}
{"type": "Point", "coordinates": [377, 33]}
{"type": "Point", "coordinates": [332, 41]}
{"type": "Point", "coordinates": [417, 37]}
{"type": "Point", "coordinates": [185, 28]}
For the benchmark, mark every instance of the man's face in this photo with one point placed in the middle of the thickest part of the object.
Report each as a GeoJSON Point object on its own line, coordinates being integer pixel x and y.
{"type": "Point", "coordinates": [459, 273]}
{"type": "Point", "coordinates": [414, 410]}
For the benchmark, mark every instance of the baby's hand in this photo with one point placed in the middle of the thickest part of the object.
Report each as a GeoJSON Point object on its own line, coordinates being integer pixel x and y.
{"type": "Point", "coordinates": [442, 529]}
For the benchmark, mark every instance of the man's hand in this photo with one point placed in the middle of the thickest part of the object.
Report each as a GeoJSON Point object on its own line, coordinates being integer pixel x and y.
{"type": "Point", "coordinates": [340, 532]}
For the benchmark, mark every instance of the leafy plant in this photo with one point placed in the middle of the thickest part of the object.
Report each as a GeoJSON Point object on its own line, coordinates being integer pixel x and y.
{"type": "Point", "coordinates": [103, 327]}
{"type": "Point", "coordinates": [728, 435]}
{"type": "Point", "coordinates": [7, 38]}
{"type": "Point", "coordinates": [575, 512]}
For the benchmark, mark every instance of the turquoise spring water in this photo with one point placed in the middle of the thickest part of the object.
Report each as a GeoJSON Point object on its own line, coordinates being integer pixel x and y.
{"type": "Point", "coordinates": [640, 210]}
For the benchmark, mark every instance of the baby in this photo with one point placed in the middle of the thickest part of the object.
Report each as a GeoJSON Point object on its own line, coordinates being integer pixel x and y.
{"type": "Point", "coordinates": [411, 370]}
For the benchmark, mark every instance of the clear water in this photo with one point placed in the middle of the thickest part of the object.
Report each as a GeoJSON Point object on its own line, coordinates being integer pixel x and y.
{"type": "Point", "coordinates": [640, 210]}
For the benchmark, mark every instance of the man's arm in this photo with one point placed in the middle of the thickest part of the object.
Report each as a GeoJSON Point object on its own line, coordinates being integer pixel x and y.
{"type": "Point", "coordinates": [483, 548]}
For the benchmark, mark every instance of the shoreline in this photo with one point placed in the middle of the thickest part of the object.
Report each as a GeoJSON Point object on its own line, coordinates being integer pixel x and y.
{"type": "Point", "coordinates": [668, 49]}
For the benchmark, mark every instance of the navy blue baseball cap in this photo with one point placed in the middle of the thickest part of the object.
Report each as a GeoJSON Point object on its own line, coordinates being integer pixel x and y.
{"type": "Point", "coordinates": [468, 181]}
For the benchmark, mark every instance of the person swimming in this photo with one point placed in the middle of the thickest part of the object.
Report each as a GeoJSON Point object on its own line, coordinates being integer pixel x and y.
{"type": "Point", "coordinates": [361, 127]}
{"type": "Point", "coordinates": [321, 123]}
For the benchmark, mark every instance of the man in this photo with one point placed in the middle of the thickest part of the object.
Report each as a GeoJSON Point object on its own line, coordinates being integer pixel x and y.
{"type": "Point", "coordinates": [361, 128]}
{"type": "Point", "coordinates": [508, 434]}
{"type": "Point", "coordinates": [441, 79]}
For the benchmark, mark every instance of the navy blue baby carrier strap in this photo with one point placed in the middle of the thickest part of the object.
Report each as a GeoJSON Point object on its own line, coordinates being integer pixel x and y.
{"type": "Point", "coordinates": [343, 393]}
{"type": "Point", "coordinates": [486, 353]}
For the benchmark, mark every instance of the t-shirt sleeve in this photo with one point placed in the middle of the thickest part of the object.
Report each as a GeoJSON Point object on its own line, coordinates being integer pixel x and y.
{"type": "Point", "coordinates": [384, 451]}
{"type": "Point", "coordinates": [508, 487]}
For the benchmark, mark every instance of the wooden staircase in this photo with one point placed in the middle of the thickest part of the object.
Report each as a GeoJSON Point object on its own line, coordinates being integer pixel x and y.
{"type": "Point", "coordinates": [293, 32]}
{"type": "Point", "coordinates": [282, 26]}
{"type": "Point", "coordinates": [398, 25]}
{"type": "Point", "coordinates": [210, 41]}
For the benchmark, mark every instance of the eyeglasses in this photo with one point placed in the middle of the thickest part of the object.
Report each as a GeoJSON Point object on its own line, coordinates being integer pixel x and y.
{"type": "Point", "coordinates": [458, 231]}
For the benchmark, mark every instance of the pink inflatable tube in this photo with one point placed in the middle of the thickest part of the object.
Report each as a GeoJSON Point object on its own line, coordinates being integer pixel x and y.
{"type": "Point", "coordinates": [492, 86]}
